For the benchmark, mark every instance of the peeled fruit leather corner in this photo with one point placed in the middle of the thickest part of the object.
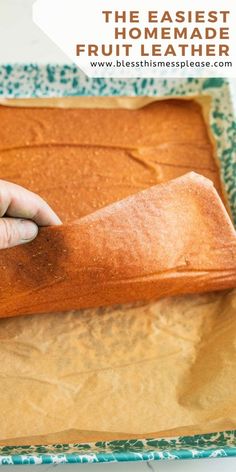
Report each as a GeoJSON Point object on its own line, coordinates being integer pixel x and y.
{"type": "Point", "coordinates": [174, 238]}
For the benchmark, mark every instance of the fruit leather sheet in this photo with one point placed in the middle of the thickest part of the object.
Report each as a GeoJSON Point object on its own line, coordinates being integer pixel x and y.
{"type": "Point", "coordinates": [169, 239]}
{"type": "Point", "coordinates": [165, 367]}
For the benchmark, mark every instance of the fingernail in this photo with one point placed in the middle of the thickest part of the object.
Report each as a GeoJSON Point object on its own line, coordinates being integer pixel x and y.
{"type": "Point", "coordinates": [27, 230]}
{"type": "Point", "coordinates": [57, 220]}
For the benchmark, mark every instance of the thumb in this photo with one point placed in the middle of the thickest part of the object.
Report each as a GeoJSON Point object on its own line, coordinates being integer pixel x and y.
{"type": "Point", "coordinates": [14, 231]}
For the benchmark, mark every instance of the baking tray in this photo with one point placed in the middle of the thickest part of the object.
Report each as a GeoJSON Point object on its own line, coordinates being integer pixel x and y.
{"type": "Point", "coordinates": [47, 81]}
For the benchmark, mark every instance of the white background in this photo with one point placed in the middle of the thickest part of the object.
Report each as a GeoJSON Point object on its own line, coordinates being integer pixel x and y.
{"type": "Point", "coordinates": [22, 41]}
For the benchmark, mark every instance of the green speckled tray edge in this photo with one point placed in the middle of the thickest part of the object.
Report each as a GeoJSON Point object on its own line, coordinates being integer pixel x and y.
{"type": "Point", "coordinates": [30, 80]}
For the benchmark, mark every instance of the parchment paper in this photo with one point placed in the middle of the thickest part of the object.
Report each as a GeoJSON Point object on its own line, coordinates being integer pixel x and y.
{"type": "Point", "coordinates": [159, 369]}
{"type": "Point", "coordinates": [120, 372]}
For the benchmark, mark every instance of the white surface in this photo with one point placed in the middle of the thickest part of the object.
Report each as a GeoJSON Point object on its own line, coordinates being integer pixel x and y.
{"type": "Point", "coordinates": [202, 465]}
{"type": "Point", "coordinates": [22, 41]}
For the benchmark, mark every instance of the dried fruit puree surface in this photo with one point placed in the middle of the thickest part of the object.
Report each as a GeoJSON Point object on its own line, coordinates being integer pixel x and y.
{"type": "Point", "coordinates": [170, 239]}
{"type": "Point", "coordinates": [80, 160]}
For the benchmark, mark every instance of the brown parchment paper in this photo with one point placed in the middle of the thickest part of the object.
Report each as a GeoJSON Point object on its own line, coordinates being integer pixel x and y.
{"type": "Point", "coordinates": [159, 369]}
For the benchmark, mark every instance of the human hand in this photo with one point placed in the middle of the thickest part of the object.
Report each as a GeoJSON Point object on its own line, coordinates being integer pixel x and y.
{"type": "Point", "coordinates": [21, 212]}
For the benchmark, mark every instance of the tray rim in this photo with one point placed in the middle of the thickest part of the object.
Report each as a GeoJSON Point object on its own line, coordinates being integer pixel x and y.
{"type": "Point", "coordinates": [201, 446]}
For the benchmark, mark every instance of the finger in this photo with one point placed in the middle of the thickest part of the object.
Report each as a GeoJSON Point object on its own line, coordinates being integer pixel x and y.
{"type": "Point", "coordinates": [16, 231]}
{"type": "Point", "coordinates": [18, 202]}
